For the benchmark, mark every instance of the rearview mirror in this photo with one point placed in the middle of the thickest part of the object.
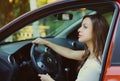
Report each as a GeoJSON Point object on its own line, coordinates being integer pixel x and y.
{"type": "Point", "coordinates": [64, 16]}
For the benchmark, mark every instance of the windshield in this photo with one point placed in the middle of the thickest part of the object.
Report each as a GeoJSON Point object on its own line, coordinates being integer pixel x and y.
{"type": "Point", "coordinates": [49, 26]}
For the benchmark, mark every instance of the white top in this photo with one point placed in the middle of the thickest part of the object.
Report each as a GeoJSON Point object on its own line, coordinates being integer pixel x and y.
{"type": "Point", "coordinates": [90, 71]}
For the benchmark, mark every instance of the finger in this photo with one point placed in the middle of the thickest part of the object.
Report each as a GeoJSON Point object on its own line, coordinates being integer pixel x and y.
{"type": "Point", "coordinates": [47, 74]}
{"type": "Point", "coordinates": [39, 75]}
{"type": "Point", "coordinates": [34, 41]}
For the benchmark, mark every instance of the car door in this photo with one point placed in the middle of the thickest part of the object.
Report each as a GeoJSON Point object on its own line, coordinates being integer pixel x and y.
{"type": "Point", "coordinates": [111, 67]}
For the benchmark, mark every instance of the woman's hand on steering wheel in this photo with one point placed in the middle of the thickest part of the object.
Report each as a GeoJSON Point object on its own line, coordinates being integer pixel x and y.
{"type": "Point", "coordinates": [39, 41]}
{"type": "Point", "coordinates": [45, 77]}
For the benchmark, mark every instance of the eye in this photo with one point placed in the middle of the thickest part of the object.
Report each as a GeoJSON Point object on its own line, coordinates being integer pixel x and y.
{"type": "Point", "coordinates": [85, 26]}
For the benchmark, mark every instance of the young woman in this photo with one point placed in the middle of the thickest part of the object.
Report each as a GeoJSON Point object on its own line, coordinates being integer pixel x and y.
{"type": "Point", "coordinates": [93, 33]}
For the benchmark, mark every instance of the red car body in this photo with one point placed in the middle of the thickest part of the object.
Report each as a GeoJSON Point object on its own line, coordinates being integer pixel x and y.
{"type": "Point", "coordinates": [112, 72]}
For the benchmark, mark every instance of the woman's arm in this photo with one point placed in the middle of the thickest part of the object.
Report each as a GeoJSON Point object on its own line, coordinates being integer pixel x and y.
{"type": "Point", "coordinates": [63, 51]}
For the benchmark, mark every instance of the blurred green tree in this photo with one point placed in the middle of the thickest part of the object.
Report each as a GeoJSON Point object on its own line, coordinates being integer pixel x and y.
{"type": "Point", "coordinates": [10, 9]}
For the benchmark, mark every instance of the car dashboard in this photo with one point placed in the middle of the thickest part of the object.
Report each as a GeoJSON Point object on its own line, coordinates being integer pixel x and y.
{"type": "Point", "coordinates": [18, 56]}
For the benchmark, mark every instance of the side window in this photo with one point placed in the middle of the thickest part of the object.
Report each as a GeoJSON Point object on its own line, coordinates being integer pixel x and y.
{"type": "Point", "coordinates": [116, 49]}
{"type": "Point", "coordinates": [60, 23]}
{"type": "Point", "coordinates": [50, 26]}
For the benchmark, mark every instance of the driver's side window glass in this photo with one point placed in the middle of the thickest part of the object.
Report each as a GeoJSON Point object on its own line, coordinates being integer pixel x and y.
{"type": "Point", "coordinates": [50, 26]}
{"type": "Point", "coordinates": [53, 25]}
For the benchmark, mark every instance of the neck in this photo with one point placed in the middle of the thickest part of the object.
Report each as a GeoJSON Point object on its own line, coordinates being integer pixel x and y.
{"type": "Point", "coordinates": [90, 48]}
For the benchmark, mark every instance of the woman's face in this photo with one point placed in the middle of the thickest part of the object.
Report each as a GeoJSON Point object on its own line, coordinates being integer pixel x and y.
{"type": "Point", "coordinates": [85, 31]}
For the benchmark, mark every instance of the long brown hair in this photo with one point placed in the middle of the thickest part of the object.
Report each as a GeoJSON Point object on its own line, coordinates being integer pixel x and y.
{"type": "Point", "coordinates": [100, 31]}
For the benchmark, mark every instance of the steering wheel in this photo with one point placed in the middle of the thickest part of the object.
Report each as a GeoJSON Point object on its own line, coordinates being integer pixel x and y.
{"type": "Point", "coordinates": [46, 62]}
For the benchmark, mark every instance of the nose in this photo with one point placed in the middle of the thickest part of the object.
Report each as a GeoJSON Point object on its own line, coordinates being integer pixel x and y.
{"type": "Point", "coordinates": [79, 30]}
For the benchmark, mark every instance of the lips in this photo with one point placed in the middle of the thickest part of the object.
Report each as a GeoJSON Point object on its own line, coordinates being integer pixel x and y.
{"type": "Point", "coordinates": [79, 35]}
